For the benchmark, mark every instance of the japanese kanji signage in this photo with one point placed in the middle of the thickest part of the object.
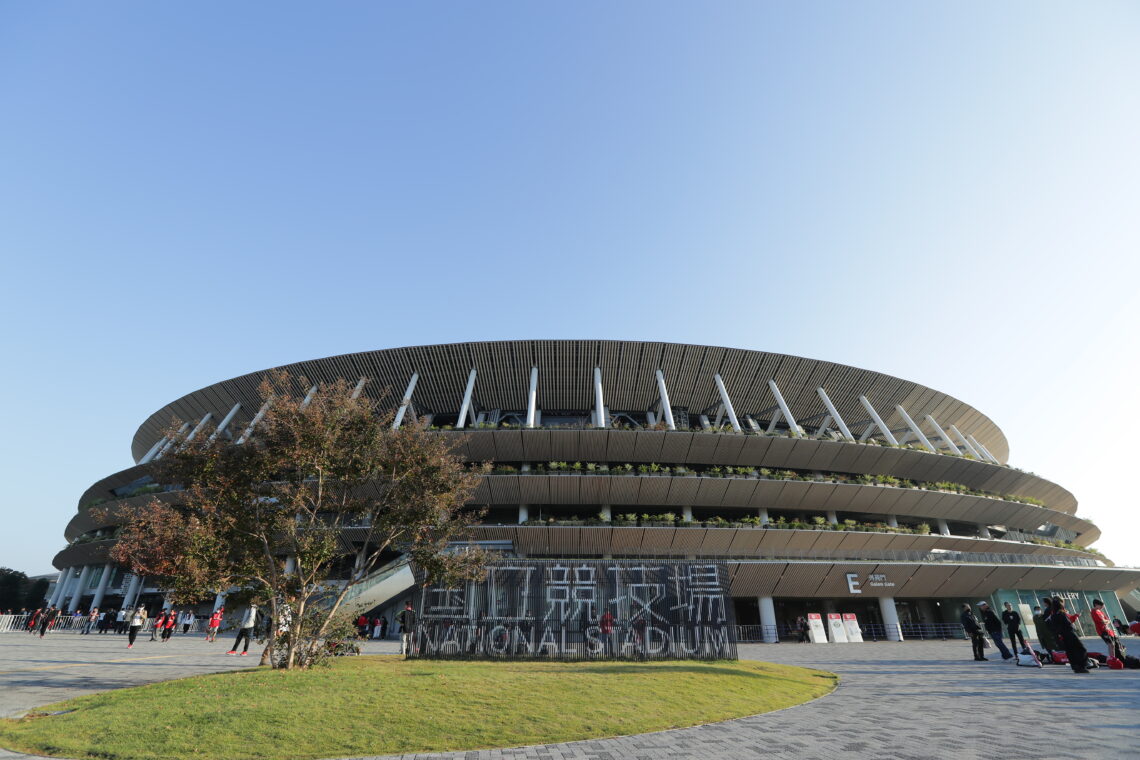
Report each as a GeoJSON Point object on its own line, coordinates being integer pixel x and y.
{"type": "Point", "coordinates": [582, 609]}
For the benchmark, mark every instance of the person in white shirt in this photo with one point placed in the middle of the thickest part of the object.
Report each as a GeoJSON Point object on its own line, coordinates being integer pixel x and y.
{"type": "Point", "coordinates": [138, 620]}
{"type": "Point", "coordinates": [245, 631]}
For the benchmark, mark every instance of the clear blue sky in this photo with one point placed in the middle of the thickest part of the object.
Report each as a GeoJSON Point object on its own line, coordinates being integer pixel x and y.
{"type": "Point", "coordinates": [189, 192]}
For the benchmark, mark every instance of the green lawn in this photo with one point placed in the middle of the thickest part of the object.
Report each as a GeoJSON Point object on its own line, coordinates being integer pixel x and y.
{"type": "Point", "coordinates": [381, 705]}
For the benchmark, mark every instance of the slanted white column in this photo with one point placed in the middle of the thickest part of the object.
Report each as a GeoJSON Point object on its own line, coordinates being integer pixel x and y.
{"type": "Point", "coordinates": [60, 583]}
{"type": "Point", "coordinates": [198, 428]}
{"type": "Point", "coordinates": [832, 517]}
{"type": "Point", "coordinates": [131, 598]}
{"type": "Point", "coordinates": [768, 632]}
{"type": "Point", "coordinates": [465, 407]}
{"type": "Point", "coordinates": [406, 402]}
{"type": "Point", "coordinates": [763, 515]}
{"type": "Point", "coordinates": [104, 579]}
{"type": "Point", "coordinates": [524, 513]}
{"type": "Point", "coordinates": [599, 400]}
{"type": "Point", "coordinates": [219, 601]}
{"type": "Point", "coordinates": [724, 399]}
{"type": "Point", "coordinates": [253, 423]}
{"type": "Point", "coordinates": [309, 397]}
{"type": "Point", "coordinates": [839, 423]}
{"type": "Point", "coordinates": [966, 444]}
{"type": "Point", "coordinates": [942, 435]}
{"type": "Point", "coordinates": [153, 452]}
{"type": "Point", "coordinates": [878, 421]}
{"type": "Point", "coordinates": [892, 521]}
{"type": "Point", "coordinates": [532, 398]}
{"type": "Point", "coordinates": [225, 423]}
{"type": "Point", "coordinates": [890, 618]}
{"type": "Point", "coordinates": [80, 587]}
{"type": "Point", "coordinates": [915, 429]}
{"type": "Point", "coordinates": [686, 514]}
{"type": "Point", "coordinates": [169, 443]}
{"type": "Point", "coordinates": [943, 528]}
{"type": "Point", "coordinates": [666, 409]}
{"type": "Point", "coordinates": [985, 452]}
{"type": "Point", "coordinates": [795, 428]}
{"type": "Point", "coordinates": [359, 387]}
{"type": "Point", "coordinates": [984, 531]}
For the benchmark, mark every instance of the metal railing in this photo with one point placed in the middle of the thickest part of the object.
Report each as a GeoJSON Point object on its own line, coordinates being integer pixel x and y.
{"type": "Point", "coordinates": [72, 624]}
{"type": "Point", "coordinates": [756, 634]}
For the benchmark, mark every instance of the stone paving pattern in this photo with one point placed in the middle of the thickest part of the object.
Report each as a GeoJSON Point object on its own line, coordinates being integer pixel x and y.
{"type": "Point", "coordinates": [897, 701]}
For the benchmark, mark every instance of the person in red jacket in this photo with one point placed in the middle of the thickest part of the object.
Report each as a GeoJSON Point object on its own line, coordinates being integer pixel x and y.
{"type": "Point", "coordinates": [606, 629]}
{"type": "Point", "coordinates": [1134, 629]}
{"type": "Point", "coordinates": [168, 625]}
{"type": "Point", "coordinates": [1105, 631]}
{"type": "Point", "coordinates": [215, 624]}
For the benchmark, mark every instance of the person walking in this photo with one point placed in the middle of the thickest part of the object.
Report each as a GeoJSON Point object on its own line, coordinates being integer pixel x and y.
{"type": "Point", "coordinates": [974, 632]}
{"type": "Point", "coordinates": [121, 621]}
{"type": "Point", "coordinates": [47, 620]}
{"type": "Point", "coordinates": [215, 624]}
{"type": "Point", "coordinates": [89, 623]}
{"type": "Point", "coordinates": [407, 620]}
{"type": "Point", "coordinates": [245, 631]}
{"type": "Point", "coordinates": [137, 620]}
{"type": "Point", "coordinates": [383, 626]}
{"type": "Point", "coordinates": [1106, 632]}
{"type": "Point", "coordinates": [993, 628]}
{"type": "Point", "coordinates": [1067, 636]}
{"type": "Point", "coordinates": [168, 625]}
{"type": "Point", "coordinates": [606, 631]}
{"type": "Point", "coordinates": [34, 620]}
{"type": "Point", "coordinates": [187, 621]}
{"type": "Point", "coordinates": [1012, 620]}
{"type": "Point", "coordinates": [159, 622]}
{"type": "Point", "coordinates": [1045, 633]}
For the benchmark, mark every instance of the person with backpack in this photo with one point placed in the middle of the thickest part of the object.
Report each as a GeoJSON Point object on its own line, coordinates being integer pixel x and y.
{"type": "Point", "coordinates": [1106, 632]}
{"type": "Point", "coordinates": [993, 628]}
{"type": "Point", "coordinates": [1012, 621]}
{"type": "Point", "coordinates": [407, 620]}
{"type": "Point", "coordinates": [1067, 635]}
{"type": "Point", "coordinates": [974, 632]}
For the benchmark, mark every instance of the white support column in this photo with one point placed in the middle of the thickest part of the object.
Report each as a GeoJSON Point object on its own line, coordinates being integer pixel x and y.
{"type": "Point", "coordinates": [832, 517]}
{"type": "Point", "coordinates": [784, 409]}
{"type": "Point", "coordinates": [915, 429]}
{"type": "Point", "coordinates": [524, 513]}
{"type": "Point", "coordinates": [253, 423]}
{"type": "Point", "coordinates": [985, 452]}
{"type": "Point", "coordinates": [984, 531]}
{"type": "Point", "coordinates": [169, 443]}
{"type": "Point", "coordinates": [753, 425]}
{"type": "Point", "coordinates": [153, 450]}
{"type": "Point", "coordinates": [966, 444]}
{"type": "Point", "coordinates": [943, 528]}
{"type": "Point", "coordinates": [839, 423]}
{"type": "Point", "coordinates": [80, 587]}
{"type": "Point", "coordinates": [666, 409]}
{"type": "Point", "coordinates": [768, 631]}
{"type": "Point", "coordinates": [60, 584]}
{"type": "Point", "coordinates": [225, 423]}
{"type": "Point", "coordinates": [727, 402]}
{"type": "Point", "coordinates": [890, 618]}
{"type": "Point", "coordinates": [606, 512]}
{"type": "Point", "coordinates": [198, 428]}
{"type": "Point", "coordinates": [775, 418]}
{"type": "Point", "coordinates": [406, 402]}
{"type": "Point", "coordinates": [290, 564]}
{"type": "Point", "coordinates": [822, 431]}
{"type": "Point", "coordinates": [104, 579]}
{"type": "Point", "coordinates": [599, 400]}
{"type": "Point", "coordinates": [892, 521]}
{"type": "Point", "coordinates": [686, 514]}
{"type": "Point", "coordinates": [886, 431]}
{"type": "Point", "coordinates": [942, 435]}
{"type": "Point", "coordinates": [465, 407]}
{"type": "Point", "coordinates": [763, 515]}
{"type": "Point", "coordinates": [219, 601]}
{"type": "Point", "coordinates": [309, 397]}
{"type": "Point", "coordinates": [532, 398]}
{"type": "Point", "coordinates": [131, 598]}
{"type": "Point", "coordinates": [359, 387]}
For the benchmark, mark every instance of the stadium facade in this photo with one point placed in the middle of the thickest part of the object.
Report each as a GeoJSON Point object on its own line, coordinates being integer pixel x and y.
{"type": "Point", "coordinates": [822, 488]}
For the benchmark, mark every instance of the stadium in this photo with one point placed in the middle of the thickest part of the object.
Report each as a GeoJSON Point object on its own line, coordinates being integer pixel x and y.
{"type": "Point", "coordinates": [819, 488]}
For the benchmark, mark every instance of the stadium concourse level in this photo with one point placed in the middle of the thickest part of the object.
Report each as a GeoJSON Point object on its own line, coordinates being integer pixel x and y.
{"type": "Point", "coordinates": [799, 473]}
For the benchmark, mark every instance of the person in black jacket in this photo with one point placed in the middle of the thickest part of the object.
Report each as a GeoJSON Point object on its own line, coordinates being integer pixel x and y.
{"type": "Point", "coordinates": [993, 628]}
{"type": "Point", "coordinates": [1012, 622]}
{"type": "Point", "coordinates": [1067, 635]}
{"type": "Point", "coordinates": [974, 631]}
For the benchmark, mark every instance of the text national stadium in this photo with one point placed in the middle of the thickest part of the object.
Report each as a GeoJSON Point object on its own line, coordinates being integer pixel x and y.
{"type": "Point", "coordinates": [693, 496]}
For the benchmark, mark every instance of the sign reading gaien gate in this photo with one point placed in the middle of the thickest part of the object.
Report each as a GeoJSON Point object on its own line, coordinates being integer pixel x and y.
{"type": "Point", "coordinates": [582, 609]}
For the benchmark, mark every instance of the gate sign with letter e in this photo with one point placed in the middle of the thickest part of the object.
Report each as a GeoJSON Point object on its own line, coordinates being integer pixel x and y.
{"type": "Point", "coordinates": [852, 626]}
{"type": "Point", "coordinates": [835, 628]}
{"type": "Point", "coordinates": [815, 628]}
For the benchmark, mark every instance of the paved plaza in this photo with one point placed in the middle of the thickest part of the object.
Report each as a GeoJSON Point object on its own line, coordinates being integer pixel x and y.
{"type": "Point", "coordinates": [911, 700]}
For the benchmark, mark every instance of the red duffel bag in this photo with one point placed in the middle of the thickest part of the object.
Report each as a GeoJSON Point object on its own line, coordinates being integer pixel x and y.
{"type": "Point", "coordinates": [1115, 663]}
{"type": "Point", "coordinates": [1060, 658]}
